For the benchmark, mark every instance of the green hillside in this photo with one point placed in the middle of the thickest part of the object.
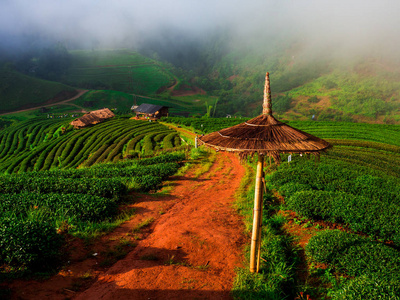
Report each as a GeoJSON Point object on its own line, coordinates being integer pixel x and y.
{"type": "Point", "coordinates": [18, 91]}
{"type": "Point", "coordinates": [362, 89]}
{"type": "Point", "coordinates": [121, 70]}
{"type": "Point", "coordinates": [122, 102]}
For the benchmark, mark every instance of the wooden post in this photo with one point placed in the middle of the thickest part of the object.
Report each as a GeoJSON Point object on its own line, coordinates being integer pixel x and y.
{"type": "Point", "coordinates": [257, 217]}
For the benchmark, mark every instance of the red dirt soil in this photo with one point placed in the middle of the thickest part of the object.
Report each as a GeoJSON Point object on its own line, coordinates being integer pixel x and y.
{"type": "Point", "coordinates": [189, 251]}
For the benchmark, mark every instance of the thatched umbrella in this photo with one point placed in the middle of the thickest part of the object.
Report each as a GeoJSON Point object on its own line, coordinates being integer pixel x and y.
{"type": "Point", "coordinates": [263, 135]}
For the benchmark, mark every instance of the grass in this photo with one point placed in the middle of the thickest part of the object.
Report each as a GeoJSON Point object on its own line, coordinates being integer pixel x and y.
{"type": "Point", "coordinates": [172, 261]}
{"type": "Point", "coordinates": [117, 252]}
{"type": "Point", "coordinates": [142, 225]}
{"type": "Point", "coordinates": [92, 230]}
{"type": "Point", "coordinates": [81, 281]}
{"type": "Point", "coordinates": [206, 159]}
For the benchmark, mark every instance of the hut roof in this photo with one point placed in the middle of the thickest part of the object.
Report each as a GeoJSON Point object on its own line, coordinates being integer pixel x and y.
{"type": "Point", "coordinates": [93, 117]}
{"type": "Point", "coordinates": [264, 135]}
{"type": "Point", "coordinates": [147, 108]}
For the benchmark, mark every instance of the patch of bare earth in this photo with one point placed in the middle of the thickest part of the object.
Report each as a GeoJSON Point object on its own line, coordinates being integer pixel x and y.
{"type": "Point", "coordinates": [189, 249]}
{"type": "Point", "coordinates": [188, 91]}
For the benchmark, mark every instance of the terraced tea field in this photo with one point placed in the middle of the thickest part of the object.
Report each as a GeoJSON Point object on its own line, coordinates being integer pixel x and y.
{"type": "Point", "coordinates": [43, 194]}
{"type": "Point", "coordinates": [38, 145]}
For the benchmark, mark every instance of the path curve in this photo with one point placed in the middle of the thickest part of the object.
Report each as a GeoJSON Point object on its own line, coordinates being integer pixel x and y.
{"type": "Point", "coordinates": [80, 93]}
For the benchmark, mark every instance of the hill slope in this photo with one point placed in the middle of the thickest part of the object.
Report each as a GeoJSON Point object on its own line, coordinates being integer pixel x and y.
{"type": "Point", "coordinates": [18, 91]}
{"type": "Point", "coordinates": [121, 70]}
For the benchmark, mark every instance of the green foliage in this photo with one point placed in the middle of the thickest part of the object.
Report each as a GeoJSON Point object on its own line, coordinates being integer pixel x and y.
{"type": "Point", "coordinates": [109, 187]}
{"type": "Point", "coordinates": [282, 103]}
{"type": "Point", "coordinates": [374, 217]}
{"type": "Point", "coordinates": [375, 267]}
{"type": "Point", "coordinates": [61, 207]}
{"type": "Point", "coordinates": [168, 141]}
{"type": "Point", "coordinates": [205, 125]}
{"type": "Point", "coordinates": [313, 99]}
{"type": "Point", "coordinates": [165, 158]}
{"type": "Point", "coordinates": [365, 199]}
{"type": "Point", "coordinates": [28, 243]}
{"type": "Point", "coordinates": [367, 287]}
{"type": "Point", "coordinates": [386, 134]}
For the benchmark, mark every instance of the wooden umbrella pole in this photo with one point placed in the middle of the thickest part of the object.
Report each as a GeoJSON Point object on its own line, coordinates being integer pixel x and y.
{"type": "Point", "coordinates": [257, 215]}
{"type": "Point", "coordinates": [261, 214]}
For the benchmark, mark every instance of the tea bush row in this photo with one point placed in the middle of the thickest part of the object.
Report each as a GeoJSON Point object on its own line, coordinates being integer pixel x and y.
{"type": "Point", "coordinates": [29, 244]}
{"type": "Point", "coordinates": [205, 125]}
{"type": "Point", "coordinates": [338, 176]}
{"type": "Point", "coordinates": [46, 146]}
{"type": "Point", "coordinates": [59, 206]}
{"type": "Point", "coordinates": [34, 204]}
{"type": "Point", "coordinates": [162, 170]}
{"type": "Point", "coordinates": [333, 190]}
{"type": "Point", "coordinates": [103, 187]}
{"type": "Point", "coordinates": [373, 217]}
{"type": "Point", "coordinates": [374, 268]}
{"type": "Point", "coordinates": [159, 159]}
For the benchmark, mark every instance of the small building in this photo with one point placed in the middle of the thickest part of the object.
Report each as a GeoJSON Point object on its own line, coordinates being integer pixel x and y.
{"type": "Point", "coordinates": [150, 111]}
{"type": "Point", "coordinates": [92, 118]}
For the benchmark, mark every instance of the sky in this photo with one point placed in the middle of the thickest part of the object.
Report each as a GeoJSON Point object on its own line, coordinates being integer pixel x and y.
{"type": "Point", "coordinates": [348, 26]}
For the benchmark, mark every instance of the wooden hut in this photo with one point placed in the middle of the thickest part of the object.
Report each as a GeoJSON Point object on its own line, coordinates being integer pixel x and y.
{"type": "Point", "coordinates": [150, 111]}
{"type": "Point", "coordinates": [93, 117]}
{"type": "Point", "coordinates": [263, 135]}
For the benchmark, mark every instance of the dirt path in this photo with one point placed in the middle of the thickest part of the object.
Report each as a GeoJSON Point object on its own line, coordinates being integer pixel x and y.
{"type": "Point", "coordinates": [193, 248]}
{"type": "Point", "coordinates": [189, 251]}
{"type": "Point", "coordinates": [80, 93]}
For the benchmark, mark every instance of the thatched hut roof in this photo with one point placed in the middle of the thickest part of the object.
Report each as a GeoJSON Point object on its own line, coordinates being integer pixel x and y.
{"type": "Point", "coordinates": [264, 135]}
{"type": "Point", "coordinates": [93, 117]}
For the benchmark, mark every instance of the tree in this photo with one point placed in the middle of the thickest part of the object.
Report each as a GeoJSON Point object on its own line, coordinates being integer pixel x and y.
{"type": "Point", "coordinates": [53, 62]}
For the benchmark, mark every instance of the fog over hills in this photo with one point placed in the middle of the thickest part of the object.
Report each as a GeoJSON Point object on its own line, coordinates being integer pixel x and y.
{"type": "Point", "coordinates": [343, 52]}
{"type": "Point", "coordinates": [355, 27]}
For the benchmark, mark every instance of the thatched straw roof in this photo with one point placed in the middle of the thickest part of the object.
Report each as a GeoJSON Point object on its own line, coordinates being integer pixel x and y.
{"type": "Point", "coordinates": [264, 135]}
{"type": "Point", "coordinates": [93, 117]}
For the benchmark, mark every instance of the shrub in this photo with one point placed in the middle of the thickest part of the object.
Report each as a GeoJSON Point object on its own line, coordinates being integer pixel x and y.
{"type": "Point", "coordinates": [374, 267]}
{"type": "Point", "coordinates": [370, 216]}
{"type": "Point", "coordinates": [28, 243]}
{"type": "Point", "coordinates": [353, 254]}
{"type": "Point", "coordinates": [65, 206]}
{"type": "Point", "coordinates": [105, 187]}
